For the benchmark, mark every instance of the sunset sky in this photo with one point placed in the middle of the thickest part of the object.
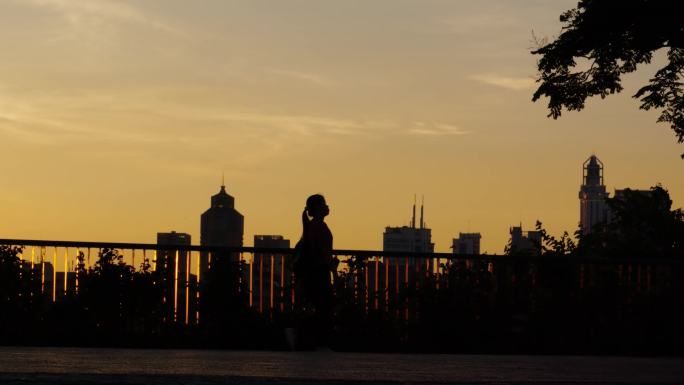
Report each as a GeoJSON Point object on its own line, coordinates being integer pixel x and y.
{"type": "Point", "coordinates": [118, 118]}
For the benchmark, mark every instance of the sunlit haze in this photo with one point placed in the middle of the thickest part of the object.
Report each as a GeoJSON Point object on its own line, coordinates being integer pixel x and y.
{"type": "Point", "coordinates": [118, 119]}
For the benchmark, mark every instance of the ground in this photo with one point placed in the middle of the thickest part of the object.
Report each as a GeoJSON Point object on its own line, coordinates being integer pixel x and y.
{"type": "Point", "coordinates": [21, 365]}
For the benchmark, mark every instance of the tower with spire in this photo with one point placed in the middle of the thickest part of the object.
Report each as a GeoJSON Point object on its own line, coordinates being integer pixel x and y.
{"type": "Point", "coordinates": [221, 224]}
{"type": "Point", "coordinates": [592, 195]}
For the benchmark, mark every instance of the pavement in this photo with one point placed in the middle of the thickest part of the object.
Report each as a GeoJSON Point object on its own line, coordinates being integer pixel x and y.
{"type": "Point", "coordinates": [30, 365]}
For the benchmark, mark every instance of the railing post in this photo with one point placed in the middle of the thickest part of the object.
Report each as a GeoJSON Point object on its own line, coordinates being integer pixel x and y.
{"type": "Point", "coordinates": [66, 259]}
{"type": "Point", "coordinates": [366, 291]}
{"type": "Point", "coordinates": [435, 268]}
{"type": "Point", "coordinates": [188, 255]}
{"type": "Point", "coordinates": [251, 285]}
{"type": "Point", "coordinates": [78, 257]}
{"type": "Point", "coordinates": [386, 262]}
{"type": "Point", "coordinates": [21, 264]}
{"type": "Point", "coordinates": [42, 271]}
{"type": "Point", "coordinates": [175, 289]}
{"type": "Point", "coordinates": [406, 282]}
{"type": "Point", "coordinates": [261, 283]}
{"type": "Point", "coordinates": [396, 285]}
{"type": "Point", "coordinates": [197, 288]}
{"type": "Point", "coordinates": [377, 277]}
{"type": "Point", "coordinates": [270, 294]}
{"type": "Point", "coordinates": [54, 275]}
{"type": "Point", "coordinates": [282, 283]}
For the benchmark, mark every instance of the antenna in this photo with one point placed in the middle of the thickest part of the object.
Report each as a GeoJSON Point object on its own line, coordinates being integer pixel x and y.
{"type": "Point", "coordinates": [422, 203]}
{"type": "Point", "coordinates": [223, 179]}
{"type": "Point", "coordinates": [413, 218]}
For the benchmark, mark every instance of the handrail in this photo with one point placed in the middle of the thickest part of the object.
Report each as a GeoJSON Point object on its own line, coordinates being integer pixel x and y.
{"type": "Point", "coordinates": [348, 252]}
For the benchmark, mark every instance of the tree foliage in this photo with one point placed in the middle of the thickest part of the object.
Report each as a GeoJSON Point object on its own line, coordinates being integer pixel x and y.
{"type": "Point", "coordinates": [551, 245]}
{"type": "Point", "coordinates": [613, 38]}
{"type": "Point", "coordinates": [643, 224]}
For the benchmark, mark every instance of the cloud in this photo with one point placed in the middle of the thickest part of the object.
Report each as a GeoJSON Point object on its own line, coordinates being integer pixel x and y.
{"type": "Point", "coordinates": [486, 22]}
{"type": "Point", "coordinates": [302, 125]}
{"type": "Point", "coordinates": [89, 117]}
{"type": "Point", "coordinates": [507, 82]}
{"type": "Point", "coordinates": [95, 118]}
{"type": "Point", "coordinates": [436, 129]}
{"type": "Point", "coordinates": [98, 12]}
{"type": "Point", "coordinates": [307, 77]}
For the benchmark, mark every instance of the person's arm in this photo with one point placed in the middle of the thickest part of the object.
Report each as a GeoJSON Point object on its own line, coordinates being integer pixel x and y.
{"type": "Point", "coordinates": [333, 262]}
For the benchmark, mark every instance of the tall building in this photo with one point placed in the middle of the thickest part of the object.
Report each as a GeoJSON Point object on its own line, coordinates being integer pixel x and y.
{"type": "Point", "coordinates": [221, 225]}
{"type": "Point", "coordinates": [397, 272]}
{"type": "Point", "coordinates": [271, 241]}
{"type": "Point", "coordinates": [269, 274]}
{"type": "Point", "coordinates": [467, 244]}
{"type": "Point", "coordinates": [592, 195]}
{"type": "Point", "coordinates": [177, 283]}
{"type": "Point", "coordinates": [166, 259]}
{"type": "Point", "coordinates": [524, 242]}
{"type": "Point", "coordinates": [409, 238]}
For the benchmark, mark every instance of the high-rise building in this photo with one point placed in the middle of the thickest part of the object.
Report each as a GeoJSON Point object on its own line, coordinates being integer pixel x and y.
{"type": "Point", "coordinates": [177, 282]}
{"type": "Point", "coordinates": [271, 241]}
{"type": "Point", "coordinates": [467, 244]}
{"type": "Point", "coordinates": [166, 259]}
{"type": "Point", "coordinates": [409, 238]}
{"type": "Point", "coordinates": [221, 225]}
{"type": "Point", "coordinates": [396, 272]}
{"type": "Point", "coordinates": [269, 274]}
{"type": "Point", "coordinates": [592, 195]}
{"type": "Point", "coordinates": [524, 242]}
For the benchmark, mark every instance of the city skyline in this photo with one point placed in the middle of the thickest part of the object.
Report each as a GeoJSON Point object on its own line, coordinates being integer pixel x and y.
{"type": "Point", "coordinates": [228, 231]}
{"type": "Point", "coordinates": [118, 119]}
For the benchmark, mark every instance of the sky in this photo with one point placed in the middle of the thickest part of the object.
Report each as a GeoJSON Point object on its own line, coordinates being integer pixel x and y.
{"type": "Point", "coordinates": [119, 118]}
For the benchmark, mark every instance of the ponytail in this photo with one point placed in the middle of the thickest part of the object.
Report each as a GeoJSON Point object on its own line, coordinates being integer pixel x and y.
{"type": "Point", "coordinates": [305, 222]}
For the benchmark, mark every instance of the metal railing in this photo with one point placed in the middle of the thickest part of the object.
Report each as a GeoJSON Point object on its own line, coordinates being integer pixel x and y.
{"type": "Point", "coordinates": [377, 280]}
{"type": "Point", "coordinates": [158, 289]}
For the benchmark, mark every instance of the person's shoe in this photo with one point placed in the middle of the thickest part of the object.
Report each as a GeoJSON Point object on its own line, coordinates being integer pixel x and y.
{"type": "Point", "coordinates": [323, 349]}
{"type": "Point", "coordinates": [291, 338]}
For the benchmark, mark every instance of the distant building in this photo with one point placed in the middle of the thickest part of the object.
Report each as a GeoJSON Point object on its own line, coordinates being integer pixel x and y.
{"type": "Point", "coordinates": [220, 225]}
{"type": "Point", "coordinates": [268, 273]}
{"type": "Point", "coordinates": [40, 274]}
{"type": "Point", "coordinates": [592, 195]}
{"type": "Point", "coordinates": [271, 241]}
{"type": "Point", "coordinates": [178, 284]}
{"type": "Point", "coordinates": [620, 193]}
{"type": "Point", "coordinates": [62, 288]}
{"type": "Point", "coordinates": [524, 242]}
{"type": "Point", "coordinates": [396, 272]}
{"type": "Point", "coordinates": [166, 259]}
{"type": "Point", "coordinates": [409, 238]}
{"type": "Point", "coordinates": [594, 208]}
{"type": "Point", "coordinates": [467, 244]}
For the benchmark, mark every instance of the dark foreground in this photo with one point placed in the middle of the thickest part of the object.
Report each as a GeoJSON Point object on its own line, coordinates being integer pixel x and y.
{"type": "Point", "coordinates": [20, 365]}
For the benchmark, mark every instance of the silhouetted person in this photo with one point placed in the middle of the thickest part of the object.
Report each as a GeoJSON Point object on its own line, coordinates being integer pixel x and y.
{"type": "Point", "coordinates": [314, 266]}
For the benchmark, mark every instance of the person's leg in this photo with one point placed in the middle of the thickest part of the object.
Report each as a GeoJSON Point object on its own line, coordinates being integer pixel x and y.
{"type": "Point", "coordinates": [322, 300]}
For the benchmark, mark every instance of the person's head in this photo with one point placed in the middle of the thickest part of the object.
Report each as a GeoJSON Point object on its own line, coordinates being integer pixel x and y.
{"type": "Point", "coordinates": [316, 206]}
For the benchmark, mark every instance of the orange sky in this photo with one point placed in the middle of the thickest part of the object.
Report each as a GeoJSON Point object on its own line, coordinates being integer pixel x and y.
{"type": "Point", "coordinates": [117, 119]}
